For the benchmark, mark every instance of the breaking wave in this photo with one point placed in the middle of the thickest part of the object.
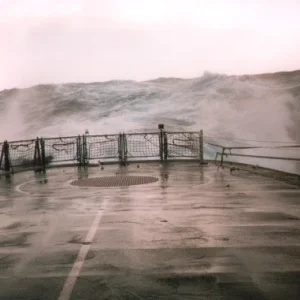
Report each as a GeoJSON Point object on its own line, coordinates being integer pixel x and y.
{"type": "Point", "coordinates": [259, 107]}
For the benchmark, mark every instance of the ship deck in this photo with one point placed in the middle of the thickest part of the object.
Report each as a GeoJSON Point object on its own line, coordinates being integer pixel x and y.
{"type": "Point", "coordinates": [196, 233]}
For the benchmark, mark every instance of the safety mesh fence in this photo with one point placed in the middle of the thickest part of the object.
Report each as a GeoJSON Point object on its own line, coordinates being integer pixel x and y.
{"type": "Point", "coordinates": [156, 145]}
{"type": "Point", "coordinates": [183, 144]}
{"type": "Point", "coordinates": [21, 153]}
{"type": "Point", "coordinates": [62, 149]}
{"type": "Point", "coordinates": [102, 146]}
{"type": "Point", "coordinates": [113, 147]}
{"type": "Point", "coordinates": [143, 145]}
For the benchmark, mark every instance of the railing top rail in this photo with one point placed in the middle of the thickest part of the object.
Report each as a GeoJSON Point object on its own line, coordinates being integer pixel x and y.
{"type": "Point", "coordinates": [142, 133]}
{"type": "Point", "coordinates": [21, 141]}
{"type": "Point", "coordinates": [101, 135]}
{"type": "Point", "coordinates": [262, 156]}
{"type": "Point", "coordinates": [282, 147]}
{"type": "Point", "coordinates": [211, 144]}
{"type": "Point", "coordinates": [265, 147]}
{"type": "Point", "coordinates": [182, 132]}
{"type": "Point", "coordinates": [252, 147]}
{"type": "Point", "coordinates": [60, 137]}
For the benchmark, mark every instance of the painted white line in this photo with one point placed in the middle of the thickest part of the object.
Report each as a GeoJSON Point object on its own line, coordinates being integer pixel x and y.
{"type": "Point", "coordinates": [18, 188]}
{"type": "Point", "coordinates": [68, 287]}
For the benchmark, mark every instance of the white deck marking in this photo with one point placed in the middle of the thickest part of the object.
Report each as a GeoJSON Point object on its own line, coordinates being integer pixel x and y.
{"type": "Point", "coordinates": [68, 287]}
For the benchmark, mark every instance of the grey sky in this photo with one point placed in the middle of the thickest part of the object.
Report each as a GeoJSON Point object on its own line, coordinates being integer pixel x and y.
{"type": "Point", "coordinates": [87, 40]}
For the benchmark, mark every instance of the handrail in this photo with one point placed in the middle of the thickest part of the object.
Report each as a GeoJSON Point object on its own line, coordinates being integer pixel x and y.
{"type": "Point", "coordinates": [252, 147]}
{"type": "Point", "coordinates": [162, 145]}
{"type": "Point", "coordinates": [224, 153]}
{"type": "Point", "coordinates": [264, 156]}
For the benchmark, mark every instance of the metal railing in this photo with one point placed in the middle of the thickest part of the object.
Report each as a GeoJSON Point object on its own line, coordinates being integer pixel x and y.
{"type": "Point", "coordinates": [259, 154]}
{"type": "Point", "coordinates": [226, 151]}
{"type": "Point", "coordinates": [82, 150]}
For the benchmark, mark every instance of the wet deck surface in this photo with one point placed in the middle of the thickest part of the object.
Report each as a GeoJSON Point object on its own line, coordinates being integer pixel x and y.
{"type": "Point", "coordinates": [197, 233]}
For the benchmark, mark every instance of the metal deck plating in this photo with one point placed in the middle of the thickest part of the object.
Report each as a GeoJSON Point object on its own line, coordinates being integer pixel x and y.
{"type": "Point", "coordinates": [196, 233]}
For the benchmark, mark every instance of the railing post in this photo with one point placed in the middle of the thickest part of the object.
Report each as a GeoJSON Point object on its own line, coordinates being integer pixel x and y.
{"type": "Point", "coordinates": [7, 164]}
{"type": "Point", "coordinates": [161, 141]}
{"type": "Point", "coordinates": [201, 154]}
{"type": "Point", "coordinates": [217, 154]}
{"type": "Point", "coordinates": [4, 158]}
{"type": "Point", "coordinates": [222, 156]}
{"type": "Point", "coordinates": [120, 146]}
{"type": "Point", "coordinates": [43, 154]}
{"type": "Point", "coordinates": [124, 148]}
{"type": "Point", "coordinates": [165, 146]}
{"type": "Point", "coordinates": [79, 150]}
{"type": "Point", "coordinates": [37, 159]}
{"type": "Point", "coordinates": [85, 159]}
{"type": "Point", "coordinates": [1, 156]}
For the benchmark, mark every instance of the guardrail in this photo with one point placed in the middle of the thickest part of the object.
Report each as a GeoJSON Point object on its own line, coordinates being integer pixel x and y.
{"type": "Point", "coordinates": [85, 150]}
{"type": "Point", "coordinates": [82, 150]}
{"type": "Point", "coordinates": [258, 153]}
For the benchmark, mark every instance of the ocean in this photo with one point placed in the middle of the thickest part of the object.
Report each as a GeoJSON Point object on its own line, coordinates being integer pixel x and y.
{"type": "Point", "coordinates": [250, 110]}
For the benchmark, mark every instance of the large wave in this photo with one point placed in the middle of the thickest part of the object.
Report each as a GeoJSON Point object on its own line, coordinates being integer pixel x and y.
{"type": "Point", "coordinates": [258, 107]}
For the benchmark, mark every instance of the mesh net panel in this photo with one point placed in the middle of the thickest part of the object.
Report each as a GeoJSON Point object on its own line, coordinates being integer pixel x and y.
{"type": "Point", "coordinates": [102, 146]}
{"type": "Point", "coordinates": [21, 153]}
{"type": "Point", "coordinates": [61, 149]}
{"type": "Point", "coordinates": [143, 145]}
{"type": "Point", "coordinates": [183, 144]}
{"type": "Point", "coordinates": [115, 146]}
